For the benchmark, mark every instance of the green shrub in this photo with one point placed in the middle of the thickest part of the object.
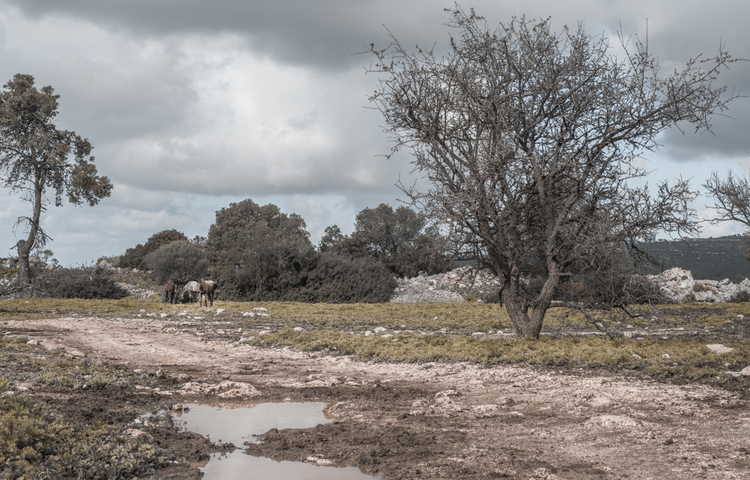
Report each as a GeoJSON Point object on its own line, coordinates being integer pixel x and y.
{"type": "Point", "coordinates": [740, 297]}
{"type": "Point", "coordinates": [95, 288]}
{"type": "Point", "coordinates": [401, 239]}
{"type": "Point", "coordinates": [134, 257]}
{"type": "Point", "coordinates": [181, 261]}
{"type": "Point", "coordinates": [342, 279]}
{"type": "Point", "coordinates": [257, 252]}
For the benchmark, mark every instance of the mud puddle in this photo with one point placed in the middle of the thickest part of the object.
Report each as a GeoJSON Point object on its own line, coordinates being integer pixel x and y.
{"type": "Point", "coordinates": [240, 425]}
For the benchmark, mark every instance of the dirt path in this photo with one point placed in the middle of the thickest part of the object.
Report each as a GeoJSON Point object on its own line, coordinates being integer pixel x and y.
{"type": "Point", "coordinates": [435, 420]}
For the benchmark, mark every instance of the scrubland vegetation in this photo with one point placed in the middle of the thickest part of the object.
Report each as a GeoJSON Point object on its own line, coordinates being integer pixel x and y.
{"type": "Point", "coordinates": [41, 440]}
{"type": "Point", "coordinates": [666, 341]}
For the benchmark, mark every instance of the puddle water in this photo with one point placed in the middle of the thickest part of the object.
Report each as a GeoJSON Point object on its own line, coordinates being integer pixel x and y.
{"type": "Point", "coordinates": [238, 425]}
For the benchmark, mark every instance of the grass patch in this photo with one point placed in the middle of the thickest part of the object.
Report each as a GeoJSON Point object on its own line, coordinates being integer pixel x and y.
{"type": "Point", "coordinates": [40, 366]}
{"type": "Point", "coordinates": [341, 328]}
{"type": "Point", "coordinates": [34, 443]}
{"type": "Point", "coordinates": [681, 358]}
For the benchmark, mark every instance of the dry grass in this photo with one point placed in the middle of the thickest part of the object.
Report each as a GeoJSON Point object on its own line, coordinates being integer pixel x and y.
{"type": "Point", "coordinates": [443, 332]}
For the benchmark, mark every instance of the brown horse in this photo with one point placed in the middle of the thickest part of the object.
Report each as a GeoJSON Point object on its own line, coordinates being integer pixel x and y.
{"type": "Point", "coordinates": [171, 289]}
{"type": "Point", "coordinates": [207, 288]}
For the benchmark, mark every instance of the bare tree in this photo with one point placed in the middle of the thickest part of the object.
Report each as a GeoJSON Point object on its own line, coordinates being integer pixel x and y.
{"type": "Point", "coordinates": [528, 140]}
{"type": "Point", "coordinates": [34, 157]}
{"type": "Point", "coordinates": [732, 203]}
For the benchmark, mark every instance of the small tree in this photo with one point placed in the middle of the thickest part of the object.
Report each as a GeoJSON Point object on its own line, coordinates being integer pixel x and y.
{"type": "Point", "coordinates": [35, 157]}
{"type": "Point", "coordinates": [181, 261]}
{"type": "Point", "coordinates": [333, 240]}
{"type": "Point", "coordinates": [134, 257]}
{"type": "Point", "coordinates": [528, 140]}
{"type": "Point", "coordinates": [257, 252]}
{"type": "Point", "coordinates": [402, 240]}
{"type": "Point", "coordinates": [732, 203]}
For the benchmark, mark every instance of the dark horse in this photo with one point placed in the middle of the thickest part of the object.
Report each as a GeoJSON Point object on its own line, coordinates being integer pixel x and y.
{"type": "Point", "coordinates": [207, 288]}
{"type": "Point", "coordinates": [171, 289]}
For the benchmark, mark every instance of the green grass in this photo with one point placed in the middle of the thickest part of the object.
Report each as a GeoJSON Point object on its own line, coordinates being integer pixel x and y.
{"type": "Point", "coordinates": [34, 443]}
{"type": "Point", "coordinates": [686, 358]}
{"type": "Point", "coordinates": [341, 328]}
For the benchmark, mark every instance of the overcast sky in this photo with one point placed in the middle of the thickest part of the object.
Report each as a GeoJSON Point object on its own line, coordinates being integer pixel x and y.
{"type": "Point", "coordinates": [192, 105]}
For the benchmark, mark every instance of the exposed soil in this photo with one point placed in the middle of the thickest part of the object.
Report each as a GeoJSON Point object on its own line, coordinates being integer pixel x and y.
{"type": "Point", "coordinates": [421, 421]}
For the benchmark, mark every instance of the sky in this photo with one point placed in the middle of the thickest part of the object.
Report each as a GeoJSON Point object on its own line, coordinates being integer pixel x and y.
{"type": "Point", "coordinates": [193, 105]}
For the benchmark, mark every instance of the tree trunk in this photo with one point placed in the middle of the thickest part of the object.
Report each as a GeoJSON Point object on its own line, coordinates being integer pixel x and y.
{"type": "Point", "coordinates": [518, 309]}
{"type": "Point", "coordinates": [525, 325]}
{"type": "Point", "coordinates": [24, 247]}
{"type": "Point", "coordinates": [24, 271]}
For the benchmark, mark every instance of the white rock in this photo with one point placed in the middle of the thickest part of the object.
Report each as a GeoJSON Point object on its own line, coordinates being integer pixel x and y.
{"type": "Point", "coordinates": [225, 389]}
{"type": "Point", "coordinates": [719, 348]}
{"type": "Point", "coordinates": [612, 421]}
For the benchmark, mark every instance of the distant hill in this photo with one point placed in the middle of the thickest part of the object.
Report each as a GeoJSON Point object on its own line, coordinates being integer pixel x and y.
{"type": "Point", "coordinates": [708, 258]}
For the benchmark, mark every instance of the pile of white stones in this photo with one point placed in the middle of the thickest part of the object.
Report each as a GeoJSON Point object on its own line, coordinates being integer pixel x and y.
{"type": "Point", "coordinates": [446, 287]}
{"type": "Point", "coordinates": [676, 284]}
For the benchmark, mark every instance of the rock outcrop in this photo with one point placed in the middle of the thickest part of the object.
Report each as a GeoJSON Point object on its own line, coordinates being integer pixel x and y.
{"type": "Point", "coordinates": [676, 284]}
{"type": "Point", "coordinates": [451, 286]}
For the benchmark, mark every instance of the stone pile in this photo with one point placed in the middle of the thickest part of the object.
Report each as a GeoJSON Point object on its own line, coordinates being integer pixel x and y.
{"type": "Point", "coordinates": [135, 291]}
{"type": "Point", "coordinates": [678, 284]}
{"type": "Point", "coordinates": [452, 286]}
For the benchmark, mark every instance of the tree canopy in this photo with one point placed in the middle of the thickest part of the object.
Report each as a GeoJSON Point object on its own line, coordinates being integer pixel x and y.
{"type": "Point", "coordinates": [528, 140]}
{"type": "Point", "coordinates": [257, 252]}
{"type": "Point", "coordinates": [401, 239]}
{"type": "Point", "coordinates": [36, 157]}
{"type": "Point", "coordinates": [179, 260]}
{"type": "Point", "coordinates": [135, 257]}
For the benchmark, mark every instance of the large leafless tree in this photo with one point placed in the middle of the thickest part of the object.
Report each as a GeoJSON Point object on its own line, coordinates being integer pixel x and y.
{"type": "Point", "coordinates": [530, 140]}
{"type": "Point", "coordinates": [36, 157]}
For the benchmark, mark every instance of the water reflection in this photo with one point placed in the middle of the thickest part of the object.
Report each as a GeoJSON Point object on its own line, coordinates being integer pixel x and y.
{"type": "Point", "coordinates": [238, 425]}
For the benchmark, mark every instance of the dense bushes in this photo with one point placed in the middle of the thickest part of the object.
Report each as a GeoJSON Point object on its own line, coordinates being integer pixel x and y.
{"type": "Point", "coordinates": [339, 278]}
{"type": "Point", "coordinates": [134, 257]}
{"type": "Point", "coordinates": [94, 288]}
{"type": "Point", "coordinates": [400, 239]}
{"type": "Point", "coordinates": [83, 282]}
{"type": "Point", "coordinates": [258, 253]}
{"type": "Point", "coordinates": [181, 261]}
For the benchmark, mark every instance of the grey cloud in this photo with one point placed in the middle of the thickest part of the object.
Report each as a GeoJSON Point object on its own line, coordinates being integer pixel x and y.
{"type": "Point", "coordinates": [323, 33]}
{"type": "Point", "coordinates": [152, 117]}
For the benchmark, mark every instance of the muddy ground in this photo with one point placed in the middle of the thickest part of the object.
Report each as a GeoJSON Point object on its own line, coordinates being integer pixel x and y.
{"type": "Point", "coordinates": [410, 421]}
